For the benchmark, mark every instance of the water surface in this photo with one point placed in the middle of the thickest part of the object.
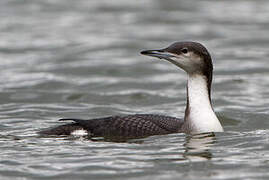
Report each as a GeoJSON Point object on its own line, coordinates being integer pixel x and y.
{"type": "Point", "coordinates": [81, 59]}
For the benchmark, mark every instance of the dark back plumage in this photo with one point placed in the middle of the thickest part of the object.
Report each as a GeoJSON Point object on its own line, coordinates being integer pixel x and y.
{"type": "Point", "coordinates": [130, 126]}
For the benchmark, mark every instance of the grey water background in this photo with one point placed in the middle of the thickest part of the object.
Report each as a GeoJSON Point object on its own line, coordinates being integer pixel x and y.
{"type": "Point", "coordinates": [65, 58]}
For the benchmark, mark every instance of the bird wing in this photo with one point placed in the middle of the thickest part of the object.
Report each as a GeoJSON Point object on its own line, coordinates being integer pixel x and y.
{"type": "Point", "coordinates": [138, 125]}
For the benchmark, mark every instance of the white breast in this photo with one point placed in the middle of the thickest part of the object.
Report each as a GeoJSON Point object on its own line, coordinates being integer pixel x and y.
{"type": "Point", "coordinates": [201, 117]}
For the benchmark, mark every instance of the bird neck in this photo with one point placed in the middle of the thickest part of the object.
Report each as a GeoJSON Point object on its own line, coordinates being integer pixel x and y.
{"type": "Point", "coordinates": [199, 115]}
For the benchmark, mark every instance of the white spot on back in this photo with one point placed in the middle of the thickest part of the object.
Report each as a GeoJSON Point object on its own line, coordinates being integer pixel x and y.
{"type": "Point", "coordinates": [79, 132]}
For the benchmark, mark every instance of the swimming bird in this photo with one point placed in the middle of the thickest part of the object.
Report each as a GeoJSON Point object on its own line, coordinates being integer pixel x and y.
{"type": "Point", "coordinates": [200, 117]}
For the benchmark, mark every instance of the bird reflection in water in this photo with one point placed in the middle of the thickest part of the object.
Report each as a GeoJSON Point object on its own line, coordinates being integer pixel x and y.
{"type": "Point", "coordinates": [197, 147]}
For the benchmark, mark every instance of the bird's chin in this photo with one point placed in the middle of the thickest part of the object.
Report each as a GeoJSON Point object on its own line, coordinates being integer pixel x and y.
{"type": "Point", "coordinates": [178, 62]}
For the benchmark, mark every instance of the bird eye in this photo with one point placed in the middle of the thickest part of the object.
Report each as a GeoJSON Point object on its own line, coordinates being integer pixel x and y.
{"type": "Point", "coordinates": [184, 50]}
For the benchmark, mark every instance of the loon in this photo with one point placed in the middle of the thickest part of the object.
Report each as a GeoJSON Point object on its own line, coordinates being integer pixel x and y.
{"type": "Point", "coordinates": [196, 61]}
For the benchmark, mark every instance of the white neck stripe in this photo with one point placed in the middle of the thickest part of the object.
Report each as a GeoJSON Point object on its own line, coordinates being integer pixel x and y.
{"type": "Point", "coordinates": [201, 117]}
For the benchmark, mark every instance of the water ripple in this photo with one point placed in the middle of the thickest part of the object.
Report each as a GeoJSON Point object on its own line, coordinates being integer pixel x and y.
{"type": "Point", "coordinates": [81, 59]}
